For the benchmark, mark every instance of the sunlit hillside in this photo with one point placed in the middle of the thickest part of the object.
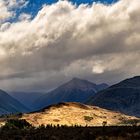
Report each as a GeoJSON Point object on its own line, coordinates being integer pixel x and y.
{"type": "Point", "coordinates": [77, 114]}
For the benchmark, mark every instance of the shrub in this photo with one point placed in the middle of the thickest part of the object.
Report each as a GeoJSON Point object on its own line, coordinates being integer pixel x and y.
{"type": "Point", "coordinates": [16, 124]}
{"type": "Point", "coordinates": [104, 123]}
{"type": "Point", "coordinates": [133, 122]}
{"type": "Point", "coordinates": [88, 118]}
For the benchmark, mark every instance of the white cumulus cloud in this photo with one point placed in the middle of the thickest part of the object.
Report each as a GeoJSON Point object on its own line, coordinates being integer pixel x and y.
{"type": "Point", "coordinates": [65, 40]}
{"type": "Point", "coordinates": [7, 8]}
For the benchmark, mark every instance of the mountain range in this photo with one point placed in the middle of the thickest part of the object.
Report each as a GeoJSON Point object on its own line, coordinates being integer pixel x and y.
{"type": "Point", "coordinates": [76, 90]}
{"type": "Point", "coordinates": [123, 97]}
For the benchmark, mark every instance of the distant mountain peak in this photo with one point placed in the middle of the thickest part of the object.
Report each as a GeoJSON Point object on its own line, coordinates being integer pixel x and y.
{"type": "Point", "coordinates": [78, 83]}
{"type": "Point", "coordinates": [75, 90]}
{"type": "Point", "coordinates": [76, 79]}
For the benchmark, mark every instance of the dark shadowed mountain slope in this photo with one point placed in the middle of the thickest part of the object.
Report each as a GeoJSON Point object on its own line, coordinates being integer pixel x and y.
{"type": "Point", "coordinates": [76, 90]}
{"type": "Point", "coordinates": [124, 97]}
{"type": "Point", "coordinates": [26, 98]}
{"type": "Point", "coordinates": [10, 105]}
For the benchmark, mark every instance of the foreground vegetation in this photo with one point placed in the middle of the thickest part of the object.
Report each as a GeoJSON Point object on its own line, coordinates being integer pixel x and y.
{"type": "Point", "coordinates": [22, 130]}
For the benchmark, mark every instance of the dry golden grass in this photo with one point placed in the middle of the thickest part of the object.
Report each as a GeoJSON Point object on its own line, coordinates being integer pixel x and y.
{"type": "Point", "coordinates": [76, 114]}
